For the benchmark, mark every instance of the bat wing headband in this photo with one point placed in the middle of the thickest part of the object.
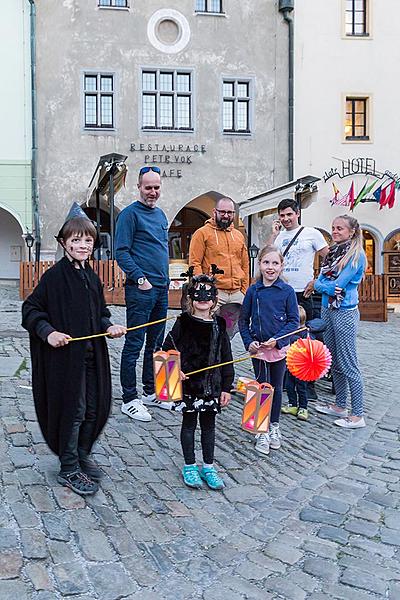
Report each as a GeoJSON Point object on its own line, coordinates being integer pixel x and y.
{"type": "Point", "coordinates": [198, 288]}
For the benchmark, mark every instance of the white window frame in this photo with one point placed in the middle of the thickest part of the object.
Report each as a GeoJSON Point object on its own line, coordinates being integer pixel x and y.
{"type": "Point", "coordinates": [174, 94]}
{"type": "Point", "coordinates": [209, 12]}
{"type": "Point", "coordinates": [112, 6]}
{"type": "Point", "coordinates": [98, 93]}
{"type": "Point", "coordinates": [236, 99]}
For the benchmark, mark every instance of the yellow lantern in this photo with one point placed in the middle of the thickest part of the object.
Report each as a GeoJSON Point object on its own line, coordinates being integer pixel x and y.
{"type": "Point", "coordinates": [257, 407]}
{"type": "Point", "coordinates": [167, 376]}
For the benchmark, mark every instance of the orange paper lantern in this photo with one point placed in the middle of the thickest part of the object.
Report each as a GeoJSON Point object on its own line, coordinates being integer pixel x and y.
{"type": "Point", "coordinates": [167, 376]}
{"type": "Point", "coordinates": [308, 359]}
{"type": "Point", "coordinates": [257, 407]}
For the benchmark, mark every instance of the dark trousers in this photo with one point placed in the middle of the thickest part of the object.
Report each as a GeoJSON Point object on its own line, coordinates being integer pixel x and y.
{"type": "Point", "coordinates": [207, 426]}
{"type": "Point", "coordinates": [272, 373]}
{"type": "Point", "coordinates": [79, 443]}
{"type": "Point", "coordinates": [307, 304]}
{"type": "Point", "coordinates": [142, 306]}
{"type": "Point", "coordinates": [296, 390]}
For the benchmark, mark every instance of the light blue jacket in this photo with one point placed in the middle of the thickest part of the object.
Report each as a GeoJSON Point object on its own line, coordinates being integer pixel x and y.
{"type": "Point", "coordinates": [349, 279]}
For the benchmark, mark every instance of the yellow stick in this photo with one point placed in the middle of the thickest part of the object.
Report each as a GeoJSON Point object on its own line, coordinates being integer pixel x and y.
{"type": "Point", "coordinates": [97, 335]}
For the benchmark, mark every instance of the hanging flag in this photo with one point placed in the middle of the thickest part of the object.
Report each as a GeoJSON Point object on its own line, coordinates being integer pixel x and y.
{"type": "Point", "coordinates": [336, 193]}
{"type": "Point", "coordinates": [382, 198]}
{"type": "Point", "coordinates": [392, 195]}
{"type": "Point", "coordinates": [377, 193]}
{"type": "Point", "coordinates": [365, 190]}
{"type": "Point", "coordinates": [348, 199]}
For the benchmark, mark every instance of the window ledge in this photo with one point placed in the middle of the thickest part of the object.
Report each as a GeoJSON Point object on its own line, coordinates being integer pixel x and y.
{"type": "Point", "coordinates": [209, 14]}
{"type": "Point", "coordinates": [100, 130]}
{"type": "Point", "coordinates": [238, 133]}
{"type": "Point", "coordinates": [125, 8]}
{"type": "Point", "coordinates": [158, 130]}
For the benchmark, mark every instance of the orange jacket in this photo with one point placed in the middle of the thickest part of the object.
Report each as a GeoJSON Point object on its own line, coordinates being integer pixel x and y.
{"type": "Point", "coordinates": [224, 248]}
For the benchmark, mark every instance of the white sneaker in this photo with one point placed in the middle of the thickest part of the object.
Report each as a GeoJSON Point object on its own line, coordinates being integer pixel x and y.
{"type": "Point", "coordinates": [136, 410]}
{"type": "Point", "coordinates": [151, 400]}
{"type": "Point", "coordinates": [275, 436]}
{"type": "Point", "coordinates": [262, 443]}
{"type": "Point", "coordinates": [327, 409]}
{"type": "Point", "coordinates": [349, 424]}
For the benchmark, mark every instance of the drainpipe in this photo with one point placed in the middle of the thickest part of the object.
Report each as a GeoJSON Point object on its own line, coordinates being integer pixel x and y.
{"type": "Point", "coordinates": [286, 7]}
{"type": "Point", "coordinates": [35, 195]}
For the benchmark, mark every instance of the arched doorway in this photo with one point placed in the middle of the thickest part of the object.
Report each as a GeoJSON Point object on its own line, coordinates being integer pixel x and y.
{"type": "Point", "coordinates": [12, 248]}
{"type": "Point", "coordinates": [369, 243]}
{"type": "Point", "coordinates": [181, 230]}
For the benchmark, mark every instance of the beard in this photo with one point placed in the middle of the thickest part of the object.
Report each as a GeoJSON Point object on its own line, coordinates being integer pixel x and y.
{"type": "Point", "coordinates": [223, 224]}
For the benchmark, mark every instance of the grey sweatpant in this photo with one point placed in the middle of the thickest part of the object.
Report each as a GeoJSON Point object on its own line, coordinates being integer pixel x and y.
{"type": "Point", "coordinates": [340, 337]}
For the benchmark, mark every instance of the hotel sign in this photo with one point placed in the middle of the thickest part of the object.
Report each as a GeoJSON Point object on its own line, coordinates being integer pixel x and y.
{"type": "Point", "coordinates": [359, 166]}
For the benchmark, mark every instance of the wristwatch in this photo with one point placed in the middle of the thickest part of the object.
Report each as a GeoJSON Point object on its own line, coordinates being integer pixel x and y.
{"type": "Point", "coordinates": [141, 280]}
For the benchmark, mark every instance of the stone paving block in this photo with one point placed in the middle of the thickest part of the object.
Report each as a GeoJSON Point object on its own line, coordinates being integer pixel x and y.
{"type": "Point", "coordinates": [33, 543]}
{"type": "Point", "coordinates": [107, 516]}
{"type": "Point", "coordinates": [252, 571]}
{"type": "Point", "coordinates": [10, 563]}
{"type": "Point", "coordinates": [71, 578]}
{"type": "Point", "coordinates": [20, 440]}
{"type": "Point", "coordinates": [344, 592]}
{"type": "Point", "coordinates": [244, 493]}
{"type": "Point", "coordinates": [390, 536]}
{"type": "Point", "coordinates": [21, 457]}
{"type": "Point", "coordinates": [365, 581]}
{"type": "Point", "coordinates": [9, 365]}
{"type": "Point", "coordinates": [284, 587]}
{"type": "Point", "coordinates": [394, 591]}
{"type": "Point", "coordinates": [94, 545]}
{"type": "Point", "coordinates": [177, 586]}
{"type": "Point", "coordinates": [320, 549]}
{"type": "Point", "coordinates": [122, 541]}
{"type": "Point", "coordinates": [304, 580]}
{"type": "Point", "coordinates": [335, 534]}
{"type": "Point", "coordinates": [8, 538]}
{"type": "Point", "coordinates": [13, 590]}
{"type": "Point", "coordinates": [321, 568]}
{"type": "Point", "coordinates": [381, 499]}
{"type": "Point", "coordinates": [56, 527]}
{"type": "Point", "coordinates": [313, 482]}
{"type": "Point", "coordinates": [283, 552]}
{"type": "Point", "coordinates": [111, 581]}
{"type": "Point", "coordinates": [12, 494]}
{"type": "Point", "coordinates": [29, 476]}
{"type": "Point", "coordinates": [392, 519]}
{"type": "Point", "coordinates": [372, 547]}
{"type": "Point", "coordinates": [25, 515]}
{"type": "Point", "coordinates": [362, 527]}
{"type": "Point", "coordinates": [60, 552]}
{"type": "Point", "coordinates": [316, 515]}
{"type": "Point", "coordinates": [223, 554]}
{"type": "Point", "coordinates": [330, 504]}
{"type": "Point", "coordinates": [38, 574]}
{"type": "Point", "coordinates": [249, 590]}
{"type": "Point", "coordinates": [141, 571]}
{"type": "Point", "coordinates": [41, 498]}
{"type": "Point", "coordinates": [67, 499]}
{"type": "Point", "coordinates": [371, 566]}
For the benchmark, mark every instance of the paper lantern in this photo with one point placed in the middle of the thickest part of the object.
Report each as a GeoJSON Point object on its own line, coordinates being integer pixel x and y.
{"type": "Point", "coordinates": [241, 384]}
{"type": "Point", "coordinates": [257, 407]}
{"type": "Point", "coordinates": [167, 376]}
{"type": "Point", "coordinates": [308, 359]}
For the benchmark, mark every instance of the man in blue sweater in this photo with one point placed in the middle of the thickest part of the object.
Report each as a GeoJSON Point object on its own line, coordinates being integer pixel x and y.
{"type": "Point", "coordinates": [141, 250]}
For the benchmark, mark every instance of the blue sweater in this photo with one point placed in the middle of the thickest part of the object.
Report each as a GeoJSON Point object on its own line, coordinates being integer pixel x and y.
{"type": "Point", "coordinates": [268, 311]}
{"type": "Point", "coordinates": [349, 279]}
{"type": "Point", "coordinates": [141, 244]}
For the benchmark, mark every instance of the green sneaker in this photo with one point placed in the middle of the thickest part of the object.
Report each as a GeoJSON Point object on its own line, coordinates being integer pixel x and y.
{"type": "Point", "coordinates": [212, 479]}
{"type": "Point", "coordinates": [191, 476]}
{"type": "Point", "coordinates": [302, 414]}
{"type": "Point", "coordinates": [289, 410]}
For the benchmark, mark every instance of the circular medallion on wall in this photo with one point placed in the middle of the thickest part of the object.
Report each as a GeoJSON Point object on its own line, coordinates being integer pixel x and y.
{"type": "Point", "coordinates": [168, 31]}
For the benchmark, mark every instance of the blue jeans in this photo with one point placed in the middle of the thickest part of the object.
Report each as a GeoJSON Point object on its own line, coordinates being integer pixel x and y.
{"type": "Point", "coordinates": [142, 306]}
{"type": "Point", "coordinates": [296, 390]}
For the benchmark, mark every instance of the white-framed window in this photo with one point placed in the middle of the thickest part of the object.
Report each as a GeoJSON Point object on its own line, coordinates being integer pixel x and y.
{"type": "Point", "coordinates": [113, 3]}
{"type": "Point", "coordinates": [167, 99]}
{"type": "Point", "coordinates": [209, 6]}
{"type": "Point", "coordinates": [357, 118]}
{"type": "Point", "coordinates": [236, 105]}
{"type": "Point", "coordinates": [99, 90]}
{"type": "Point", "coordinates": [356, 18]}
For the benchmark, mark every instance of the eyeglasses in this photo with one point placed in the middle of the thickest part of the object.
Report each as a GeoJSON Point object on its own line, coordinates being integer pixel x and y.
{"type": "Point", "coordinates": [230, 213]}
{"type": "Point", "coordinates": [144, 170]}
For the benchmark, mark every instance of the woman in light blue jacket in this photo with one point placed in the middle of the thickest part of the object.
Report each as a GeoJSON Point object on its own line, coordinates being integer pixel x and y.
{"type": "Point", "coordinates": [341, 273]}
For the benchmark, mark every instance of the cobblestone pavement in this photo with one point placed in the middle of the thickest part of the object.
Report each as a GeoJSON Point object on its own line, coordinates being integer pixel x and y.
{"type": "Point", "coordinates": [318, 519]}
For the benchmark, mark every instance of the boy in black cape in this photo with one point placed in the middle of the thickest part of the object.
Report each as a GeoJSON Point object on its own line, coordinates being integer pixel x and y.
{"type": "Point", "coordinates": [71, 382]}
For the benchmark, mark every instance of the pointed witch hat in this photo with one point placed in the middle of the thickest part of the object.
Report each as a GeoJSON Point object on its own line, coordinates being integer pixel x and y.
{"type": "Point", "coordinates": [74, 212]}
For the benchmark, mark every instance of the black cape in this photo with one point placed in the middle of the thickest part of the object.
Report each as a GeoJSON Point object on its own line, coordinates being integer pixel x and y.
{"type": "Point", "coordinates": [74, 305]}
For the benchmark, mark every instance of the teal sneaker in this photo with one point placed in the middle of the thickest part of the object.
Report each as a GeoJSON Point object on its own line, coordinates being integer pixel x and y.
{"type": "Point", "coordinates": [212, 479]}
{"type": "Point", "coordinates": [191, 476]}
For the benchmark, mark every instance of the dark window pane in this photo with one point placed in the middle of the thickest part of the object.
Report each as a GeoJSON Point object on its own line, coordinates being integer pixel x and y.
{"type": "Point", "coordinates": [90, 83]}
{"type": "Point", "coordinates": [242, 90]}
{"type": "Point", "coordinates": [228, 89]}
{"type": "Point", "coordinates": [106, 84]}
{"type": "Point", "coordinates": [90, 110]}
{"type": "Point", "coordinates": [106, 110]}
{"type": "Point", "coordinates": [242, 116]}
{"type": "Point", "coordinates": [228, 115]}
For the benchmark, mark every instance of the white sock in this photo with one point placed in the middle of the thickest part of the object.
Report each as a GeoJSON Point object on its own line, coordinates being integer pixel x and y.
{"type": "Point", "coordinates": [206, 466]}
{"type": "Point", "coordinates": [193, 465]}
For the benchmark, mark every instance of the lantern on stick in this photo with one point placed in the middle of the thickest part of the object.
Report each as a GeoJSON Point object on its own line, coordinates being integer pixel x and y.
{"type": "Point", "coordinates": [308, 359]}
{"type": "Point", "coordinates": [242, 382]}
{"type": "Point", "coordinates": [257, 407]}
{"type": "Point", "coordinates": [167, 376]}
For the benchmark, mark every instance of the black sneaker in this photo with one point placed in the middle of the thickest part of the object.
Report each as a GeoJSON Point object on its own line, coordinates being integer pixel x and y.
{"type": "Point", "coordinates": [78, 482]}
{"type": "Point", "coordinates": [311, 393]}
{"type": "Point", "coordinates": [90, 468]}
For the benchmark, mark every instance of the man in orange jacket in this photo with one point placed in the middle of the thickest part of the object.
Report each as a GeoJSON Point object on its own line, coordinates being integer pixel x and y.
{"type": "Point", "coordinates": [218, 242]}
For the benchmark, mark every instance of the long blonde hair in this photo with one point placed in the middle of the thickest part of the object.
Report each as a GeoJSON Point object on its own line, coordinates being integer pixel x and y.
{"type": "Point", "coordinates": [356, 247]}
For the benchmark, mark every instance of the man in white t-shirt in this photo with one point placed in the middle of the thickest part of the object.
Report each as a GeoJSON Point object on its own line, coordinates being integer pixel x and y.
{"type": "Point", "coordinates": [299, 255]}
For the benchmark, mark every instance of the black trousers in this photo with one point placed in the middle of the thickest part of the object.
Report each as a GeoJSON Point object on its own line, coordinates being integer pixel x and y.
{"type": "Point", "coordinates": [207, 426]}
{"type": "Point", "coordinates": [79, 443]}
{"type": "Point", "coordinates": [306, 303]}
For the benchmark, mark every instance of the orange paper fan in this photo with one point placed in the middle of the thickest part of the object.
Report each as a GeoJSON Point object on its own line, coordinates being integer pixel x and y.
{"type": "Point", "coordinates": [308, 359]}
